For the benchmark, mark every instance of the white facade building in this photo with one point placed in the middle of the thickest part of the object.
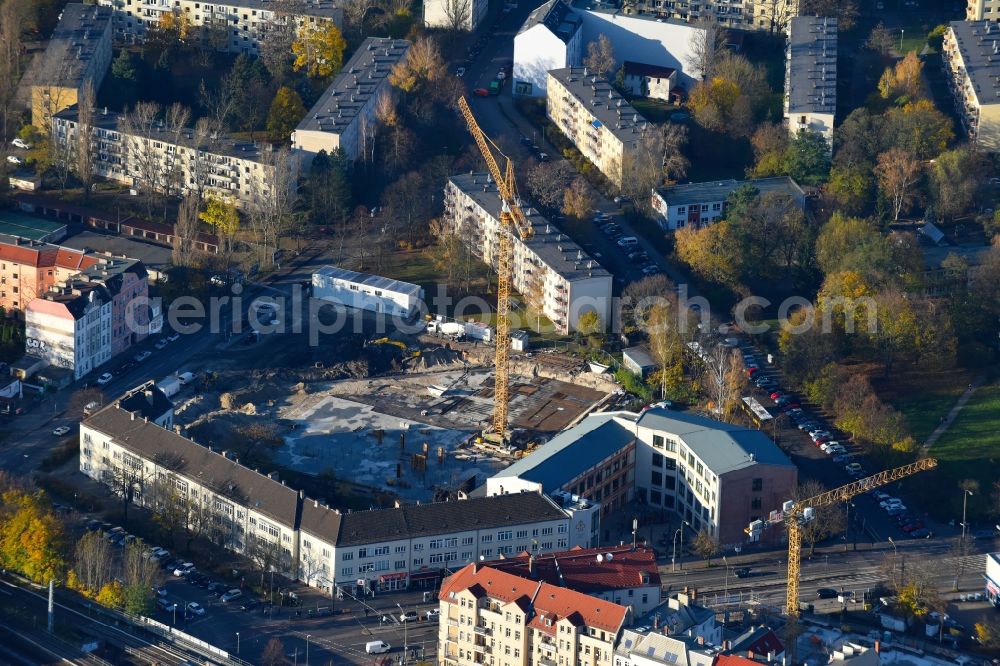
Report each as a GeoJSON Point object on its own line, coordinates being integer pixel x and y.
{"type": "Point", "coordinates": [123, 447]}
{"type": "Point", "coordinates": [464, 14]}
{"type": "Point", "coordinates": [556, 35]}
{"type": "Point", "coordinates": [344, 115]}
{"type": "Point", "coordinates": [699, 204]}
{"type": "Point", "coordinates": [811, 76]}
{"type": "Point", "coordinates": [70, 327]}
{"type": "Point", "coordinates": [236, 26]}
{"type": "Point", "coordinates": [548, 267]}
{"type": "Point", "coordinates": [652, 81]}
{"type": "Point", "coordinates": [367, 292]}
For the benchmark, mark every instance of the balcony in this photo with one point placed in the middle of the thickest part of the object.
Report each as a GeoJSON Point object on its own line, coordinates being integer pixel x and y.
{"type": "Point", "coordinates": [451, 621]}
{"type": "Point", "coordinates": [547, 646]}
{"type": "Point", "coordinates": [482, 631]}
{"type": "Point", "coordinates": [545, 661]}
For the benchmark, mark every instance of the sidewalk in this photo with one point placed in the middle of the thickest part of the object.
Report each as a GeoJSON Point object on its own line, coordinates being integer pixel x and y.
{"type": "Point", "coordinates": [952, 415]}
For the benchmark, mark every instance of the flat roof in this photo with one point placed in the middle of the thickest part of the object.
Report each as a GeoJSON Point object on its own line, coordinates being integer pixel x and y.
{"type": "Point", "coordinates": [719, 190]}
{"type": "Point", "coordinates": [22, 225]}
{"type": "Point", "coordinates": [975, 40]}
{"type": "Point", "coordinates": [354, 85]}
{"type": "Point", "coordinates": [811, 68]}
{"type": "Point", "coordinates": [640, 355]}
{"type": "Point", "coordinates": [723, 447]}
{"type": "Point", "coordinates": [376, 281]}
{"type": "Point", "coordinates": [73, 44]}
{"type": "Point", "coordinates": [224, 145]}
{"type": "Point", "coordinates": [572, 452]}
{"type": "Point", "coordinates": [608, 107]}
{"type": "Point", "coordinates": [152, 256]}
{"type": "Point", "coordinates": [555, 249]}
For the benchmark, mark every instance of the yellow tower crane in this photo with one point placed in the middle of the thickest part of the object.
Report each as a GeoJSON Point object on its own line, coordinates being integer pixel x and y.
{"type": "Point", "coordinates": [800, 512]}
{"type": "Point", "coordinates": [512, 220]}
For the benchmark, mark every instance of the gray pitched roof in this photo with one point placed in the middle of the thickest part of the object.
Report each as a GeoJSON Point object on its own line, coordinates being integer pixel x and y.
{"type": "Point", "coordinates": [146, 401]}
{"type": "Point", "coordinates": [74, 42]}
{"type": "Point", "coordinates": [811, 68]}
{"type": "Point", "coordinates": [723, 447]}
{"type": "Point", "coordinates": [320, 521]}
{"type": "Point", "coordinates": [223, 476]}
{"type": "Point", "coordinates": [572, 452]}
{"type": "Point", "coordinates": [557, 16]}
{"type": "Point", "coordinates": [412, 521]}
{"type": "Point", "coordinates": [605, 104]}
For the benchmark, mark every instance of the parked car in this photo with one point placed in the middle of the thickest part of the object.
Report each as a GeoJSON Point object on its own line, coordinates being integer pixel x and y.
{"type": "Point", "coordinates": [889, 501]}
{"type": "Point", "coordinates": [142, 356]}
{"type": "Point", "coordinates": [433, 614]}
{"type": "Point", "coordinates": [104, 378]}
{"type": "Point", "coordinates": [742, 572]}
{"type": "Point", "coordinates": [165, 605]}
{"type": "Point", "coordinates": [408, 616]}
{"type": "Point", "coordinates": [911, 527]}
{"type": "Point", "coordinates": [377, 647]}
{"type": "Point", "coordinates": [21, 143]}
{"type": "Point", "coordinates": [60, 431]}
{"type": "Point", "coordinates": [826, 593]}
{"type": "Point", "coordinates": [896, 510]}
{"type": "Point", "coordinates": [852, 468]}
{"type": "Point", "coordinates": [161, 343]}
{"type": "Point", "coordinates": [183, 569]}
{"type": "Point", "coordinates": [215, 589]}
{"type": "Point", "coordinates": [922, 533]}
{"type": "Point", "coordinates": [173, 337]}
{"type": "Point", "coordinates": [14, 159]}
{"type": "Point", "coordinates": [460, 72]}
{"type": "Point", "coordinates": [231, 595]}
{"type": "Point", "coordinates": [195, 608]}
{"type": "Point", "coordinates": [249, 604]}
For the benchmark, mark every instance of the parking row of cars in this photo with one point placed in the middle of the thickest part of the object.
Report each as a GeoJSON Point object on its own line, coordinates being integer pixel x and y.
{"type": "Point", "coordinates": [628, 244]}
{"type": "Point", "coordinates": [139, 357]}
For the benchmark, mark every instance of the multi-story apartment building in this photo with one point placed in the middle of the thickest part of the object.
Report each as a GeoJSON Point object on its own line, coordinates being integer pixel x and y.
{"type": "Point", "coordinates": [623, 575]}
{"type": "Point", "coordinates": [973, 68]}
{"type": "Point", "coordinates": [594, 461]}
{"type": "Point", "coordinates": [179, 160]}
{"type": "Point", "coordinates": [770, 15]}
{"type": "Point", "coordinates": [490, 616]}
{"type": "Point", "coordinates": [236, 26]}
{"type": "Point", "coordinates": [455, 14]}
{"type": "Point", "coordinates": [29, 269]}
{"type": "Point", "coordinates": [601, 123]}
{"type": "Point", "coordinates": [716, 476]}
{"type": "Point", "coordinates": [78, 53]}
{"type": "Point", "coordinates": [83, 321]}
{"type": "Point", "coordinates": [70, 327]}
{"type": "Point", "coordinates": [811, 76]}
{"type": "Point", "coordinates": [698, 204]}
{"type": "Point", "coordinates": [556, 35]}
{"type": "Point", "coordinates": [549, 268]}
{"type": "Point", "coordinates": [344, 115]}
{"type": "Point", "coordinates": [982, 10]}
{"type": "Point", "coordinates": [245, 511]}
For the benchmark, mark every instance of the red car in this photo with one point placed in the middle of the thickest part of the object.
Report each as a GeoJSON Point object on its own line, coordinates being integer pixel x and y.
{"type": "Point", "coordinates": [752, 371]}
{"type": "Point", "coordinates": [481, 92]}
{"type": "Point", "coordinates": [776, 394]}
{"type": "Point", "coordinates": [916, 525]}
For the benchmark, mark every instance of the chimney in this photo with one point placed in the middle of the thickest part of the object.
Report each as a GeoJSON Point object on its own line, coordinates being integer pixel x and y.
{"type": "Point", "coordinates": [750, 655]}
{"type": "Point", "coordinates": [878, 647]}
{"type": "Point", "coordinates": [701, 640]}
{"type": "Point", "coordinates": [302, 494]}
{"type": "Point", "coordinates": [316, 504]}
{"type": "Point", "coordinates": [396, 504]}
{"type": "Point", "coordinates": [770, 657]}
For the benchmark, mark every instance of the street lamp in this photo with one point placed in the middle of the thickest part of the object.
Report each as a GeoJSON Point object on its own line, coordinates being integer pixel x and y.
{"type": "Point", "coordinates": [726, 562]}
{"type": "Point", "coordinates": [237, 643]}
{"type": "Point", "coordinates": [680, 531]}
{"type": "Point", "coordinates": [965, 498]}
{"type": "Point", "coordinates": [406, 625]}
{"type": "Point", "coordinates": [635, 528]}
{"type": "Point", "coordinates": [308, 636]}
{"type": "Point", "coordinates": [901, 33]}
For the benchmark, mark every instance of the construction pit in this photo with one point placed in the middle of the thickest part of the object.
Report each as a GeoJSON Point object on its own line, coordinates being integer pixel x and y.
{"type": "Point", "coordinates": [411, 431]}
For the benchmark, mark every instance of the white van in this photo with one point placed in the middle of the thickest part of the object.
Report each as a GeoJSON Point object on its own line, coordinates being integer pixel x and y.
{"type": "Point", "coordinates": [377, 647]}
{"type": "Point", "coordinates": [628, 241]}
{"type": "Point", "coordinates": [186, 377]}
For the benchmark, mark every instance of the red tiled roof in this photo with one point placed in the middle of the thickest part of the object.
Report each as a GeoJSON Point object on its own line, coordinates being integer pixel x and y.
{"type": "Point", "coordinates": [733, 660]}
{"type": "Point", "coordinates": [578, 569]}
{"type": "Point", "coordinates": [41, 255]}
{"type": "Point", "coordinates": [549, 601]}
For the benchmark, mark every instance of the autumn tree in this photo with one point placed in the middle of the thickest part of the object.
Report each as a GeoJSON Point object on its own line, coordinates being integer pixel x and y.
{"type": "Point", "coordinates": [919, 128]}
{"type": "Point", "coordinates": [139, 578]}
{"type": "Point", "coordinates": [422, 66]}
{"type": "Point", "coordinates": [903, 80]}
{"type": "Point", "coordinates": [723, 378]}
{"type": "Point", "coordinates": [319, 50]}
{"type": "Point", "coordinates": [705, 545]}
{"type": "Point", "coordinates": [185, 231]}
{"type": "Point", "coordinates": [274, 653]}
{"type": "Point", "coordinates": [578, 199]}
{"type": "Point", "coordinates": [958, 179]}
{"type": "Point", "coordinates": [92, 562]}
{"type": "Point", "coordinates": [898, 172]}
{"type": "Point", "coordinates": [711, 252]}
{"type": "Point", "coordinates": [807, 159]}
{"type": "Point", "coordinates": [221, 215]}
{"type": "Point", "coordinates": [31, 537]}
{"type": "Point", "coordinates": [770, 142]}
{"type": "Point", "coordinates": [712, 102]}
{"type": "Point", "coordinates": [666, 342]}
{"type": "Point", "coordinates": [13, 21]}
{"type": "Point", "coordinates": [600, 57]}
{"type": "Point", "coordinates": [285, 113]}
{"type": "Point", "coordinates": [174, 26]}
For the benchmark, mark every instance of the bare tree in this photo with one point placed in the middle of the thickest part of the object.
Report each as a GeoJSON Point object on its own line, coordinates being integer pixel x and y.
{"type": "Point", "coordinates": [777, 13]}
{"type": "Point", "coordinates": [705, 545]}
{"type": "Point", "coordinates": [84, 139]}
{"type": "Point", "coordinates": [142, 160]}
{"type": "Point", "coordinates": [658, 156]}
{"type": "Point", "coordinates": [270, 210]}
{"type": "Point", "coordinates": [458, 14]}
{"type": "Point", "coordinates": [707, 46]}
{"type": "Point", "coordinates": [203, 142]}
{"type": "Point", "coordinates": [723, 377]}
{"type": "Point", "coordinates": [898, 172]}
{"type": "Point", "coordinates": [185, 231]}
{"type": "Point", "coordinates": [600, 56]}
{"type": "Point", "coordinates": [92, 561]}
{"type": "Point", "coordinates": [12, 17]}
{"type": "Point", "coordinates": [175, 122]}
{"type": "Point", "coordinates": [827, 520]}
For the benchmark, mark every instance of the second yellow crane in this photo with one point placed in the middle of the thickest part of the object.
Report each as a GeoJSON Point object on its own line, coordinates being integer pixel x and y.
{"type": "Point", "coordinates": [512, 220]}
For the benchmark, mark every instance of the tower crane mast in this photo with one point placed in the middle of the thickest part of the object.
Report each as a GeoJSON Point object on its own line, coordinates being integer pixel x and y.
{"type": "Point", "coordinates": [512, 220]}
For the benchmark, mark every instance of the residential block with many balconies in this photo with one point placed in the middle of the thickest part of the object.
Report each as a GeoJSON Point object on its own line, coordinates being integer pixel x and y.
{"type": "Point", "coordinates": [177, 160]}
{"type": "Point", "coordinates": [494, 617]}
{"type": "Point", "coordinates": [549, 268]}
{"type": "Point", "coordinates": [599, 121]}
{"type": "Point", "coordinates": [811, 76]}
{"type": "Point", "coordinates": [237, 26]}
{"type": "Point", "coordinates": [982, 10]}
{"type": "Point", "coordinates": [772, 15]}
{"type": "Point", "coordinates": [972, 63]}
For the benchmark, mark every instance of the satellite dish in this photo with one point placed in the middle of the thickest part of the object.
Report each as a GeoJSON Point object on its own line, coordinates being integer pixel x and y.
{"type": "Point", "coordinates": [610, 556]}
{"type": "Point", "coordinates": [600, 558]}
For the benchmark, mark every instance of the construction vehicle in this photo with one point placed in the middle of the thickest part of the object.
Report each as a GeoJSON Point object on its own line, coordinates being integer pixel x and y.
{"type": "Point", "coordinates": [794, 514]}
{"type": "Point", "coordinates": [512, 220]}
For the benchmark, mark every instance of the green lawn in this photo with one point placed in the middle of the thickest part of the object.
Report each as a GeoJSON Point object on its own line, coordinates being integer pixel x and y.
{"type": "Point", "coordinates": [925, 410]}
{"type": "Point", "coordinates": [914, 39]}
{"type": "Point", "coordinates": [970, 449]}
